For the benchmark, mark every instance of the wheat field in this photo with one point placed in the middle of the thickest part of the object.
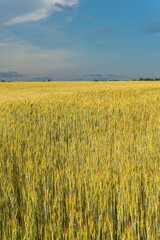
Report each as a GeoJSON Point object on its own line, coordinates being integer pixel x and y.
{"type": "Point", "coordinates": [80, 161]}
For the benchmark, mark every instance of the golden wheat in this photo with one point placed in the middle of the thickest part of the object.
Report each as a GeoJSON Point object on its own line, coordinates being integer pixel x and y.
{"type": "Point", "coordinates": [80, 161]}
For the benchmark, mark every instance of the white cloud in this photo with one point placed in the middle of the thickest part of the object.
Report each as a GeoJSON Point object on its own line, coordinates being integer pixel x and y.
{"type": "Point", "coordinates": [18, 11]}
{"type": "Point", "coordinates": [69, 19]}
{"type": "Point", "coordinates": [3, 44]}
{"type": "Point", "coordinates": [35, 61]}
{"type": "Point", "coordinates": [33, 16]}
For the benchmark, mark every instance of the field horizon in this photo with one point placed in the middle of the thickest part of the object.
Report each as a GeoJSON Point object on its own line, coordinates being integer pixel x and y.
{"type": "Point", "coordinates": [13, 91]}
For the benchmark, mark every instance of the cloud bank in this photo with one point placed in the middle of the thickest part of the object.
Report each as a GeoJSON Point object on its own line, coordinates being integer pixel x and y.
{"type": "Point", "coordinates": [18, 11]}
{"type": "Point", "coordinates": [103, 31]}
{"type": "Point", "coordinates": [10, 74]}
{"type": "Point", "coordinates": [151, 28]}
{"type": "Point", "coordinates": [22, 61]}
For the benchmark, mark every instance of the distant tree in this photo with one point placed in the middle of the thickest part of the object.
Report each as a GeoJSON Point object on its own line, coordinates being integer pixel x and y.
{"type": "Point", "coordinates": [49, 80]}
{"type": "Point", "coordinates": [149, 79]}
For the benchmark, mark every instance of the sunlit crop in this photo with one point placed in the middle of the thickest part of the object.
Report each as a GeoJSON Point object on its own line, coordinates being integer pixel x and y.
{"type": "Point", "coordinates": [80, 161]}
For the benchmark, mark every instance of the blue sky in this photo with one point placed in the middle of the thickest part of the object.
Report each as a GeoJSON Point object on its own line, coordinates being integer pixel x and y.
{"type": "Point", "coordinates": [79, 39]}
